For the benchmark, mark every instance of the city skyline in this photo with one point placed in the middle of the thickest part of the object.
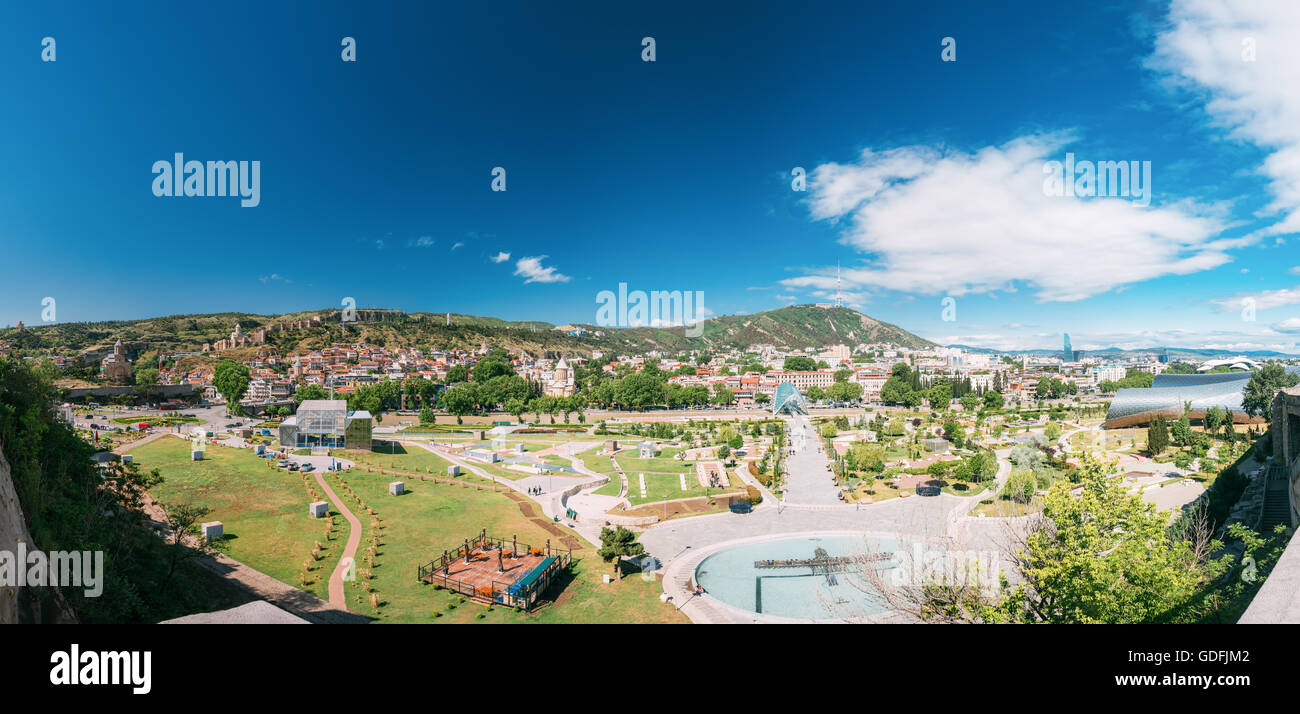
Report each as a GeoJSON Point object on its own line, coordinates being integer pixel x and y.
{"type": "Point", "coordinates": [677, 174]}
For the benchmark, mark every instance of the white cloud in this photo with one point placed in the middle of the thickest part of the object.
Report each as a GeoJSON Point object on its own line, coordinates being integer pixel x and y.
{"type": "Point", "coordinates": [423, 242]}
{"type": "Point", "coordinates": [1263, 300]}
{"type": "Point", "coordinates": [936, 221]}
{"type": "Point", "coordinates": [1203, 49]}
{"type": "Point", "coordinates": [1290, 325]}
{"type": "Point", "coordinates": [532, 269]}
{"type": "Point", "coordinates": [500, 257]}
{"type": "Point", "coordinates": [456, 245]}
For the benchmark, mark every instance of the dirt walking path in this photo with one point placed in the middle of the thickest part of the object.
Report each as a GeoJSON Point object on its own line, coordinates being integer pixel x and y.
{"type": "Point", "coordinates": [338, 598]}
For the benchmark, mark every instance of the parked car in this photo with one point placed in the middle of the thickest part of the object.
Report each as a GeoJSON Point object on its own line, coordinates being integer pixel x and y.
{"type": "Point", "coordinates": [308, 467]}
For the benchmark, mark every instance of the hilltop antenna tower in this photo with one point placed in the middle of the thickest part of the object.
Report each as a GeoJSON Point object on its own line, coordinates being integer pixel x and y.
{"type": "Point", "coordinates": [839, 302]}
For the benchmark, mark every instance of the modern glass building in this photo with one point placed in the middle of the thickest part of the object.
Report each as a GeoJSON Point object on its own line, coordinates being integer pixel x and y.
{"type": "Point", "coordinates": [1170, 393]}
{"type": "Point", "coordinates": [326, 423]}
{"type": "Point", "coordinates": [788, 400]}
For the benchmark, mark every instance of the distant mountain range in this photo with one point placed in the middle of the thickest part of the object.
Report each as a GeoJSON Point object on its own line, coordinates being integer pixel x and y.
{"type": "Point", "coordinates": [1175, 353]}
{"type": "Point", "coordinates": [793, 327]}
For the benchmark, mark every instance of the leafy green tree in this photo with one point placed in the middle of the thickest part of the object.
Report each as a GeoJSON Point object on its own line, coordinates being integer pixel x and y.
{"type": "Point", "coordinates": [1213, 419]}
{"type": "Point", "coordinates": [1181, 431]}
{"type": "Point", "coordinates": [1103, 555]}
{"type": "Point", "coordinates": [638, 391]}
{"type": "Point", "coordinates": [722, 396]}
{"type": "Point", "coordinates": [231, 380]}
{"type": "Point", "coordinates": [939, 396]}
{"type": "Point", "coordinates": [1158, 436]}
{"type": "Point", "coordinates": [970, 401]}
{"type": "Point", "coordinates": [146, 379]}
{"type": "Point", "coordinates": [459, 400]}
{"type": "Point", "coordinates": [1257, 399]}
{"type": "Point", "coordinates": [993, 400]}
{"type": "Point", "coordinates": [516, 407]}
{"type": "Point", "coordinates": [458, 373]}
{"type": "Point", "coordinates": [762, 398]}
{"type": "Point", "coordinates": [495, 364]}
{"type": "Point", "coordinates": [310, 391]}
{"type": "Point", "coordinates": [799, 364]}
{"type": "Point", "coordinates": [617, 544]}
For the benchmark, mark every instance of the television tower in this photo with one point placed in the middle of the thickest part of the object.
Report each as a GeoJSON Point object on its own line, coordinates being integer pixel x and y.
{"type": "Point", "coordinates": [838, 301]}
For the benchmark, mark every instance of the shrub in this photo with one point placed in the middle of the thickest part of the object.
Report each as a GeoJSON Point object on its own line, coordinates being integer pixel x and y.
{"type": "Point", "coordinates": [1020, 486]}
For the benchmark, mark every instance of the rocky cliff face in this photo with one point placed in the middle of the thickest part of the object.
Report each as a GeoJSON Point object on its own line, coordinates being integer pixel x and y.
{"type": "Point", "coordinates": [21, 605]}
{"type": "Point", "coordinates": [17, 605]}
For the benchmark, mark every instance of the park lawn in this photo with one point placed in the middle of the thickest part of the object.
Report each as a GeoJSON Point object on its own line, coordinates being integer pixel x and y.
{"type": "Point", "coordinates": [611, 488]}
{"type": "Point", "coordinates": [398, 457]}
{"type": "Point", "coordinates": [878, 492]}
{"type": "Point", "coordinates": [658, 463]}
{"type": "Point", "coordinates": [662, 487]}
{"type": "Point", "coordinates": [263, 510]}
{"type": "Point", "coordinates": [433, 517]}
{"type": "Point", "coordinates": [955, 487]}
{"type": "Point", "coordinates": [596, 462]}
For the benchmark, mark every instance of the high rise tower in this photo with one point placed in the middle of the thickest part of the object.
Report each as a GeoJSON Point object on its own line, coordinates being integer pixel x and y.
{"type": "Point", "coordinates": [1067, 354]}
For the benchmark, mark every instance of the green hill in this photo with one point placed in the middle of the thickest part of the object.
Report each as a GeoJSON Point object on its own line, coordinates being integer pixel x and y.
{"type": "Point", "coordinates": [794, 327]}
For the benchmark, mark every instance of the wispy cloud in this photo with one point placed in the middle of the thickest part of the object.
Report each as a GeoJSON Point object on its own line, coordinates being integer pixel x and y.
{"type": "Point", "coordinates": [1262, 300]}
{"type": "Point", "coordinates": [1208, 47]}
{"type": "Point", "coordinates": [998, 227]}
{"type": "Point", "coordinates": [456, 245]}
{"type": "Point", "coordinates": [422, 242]}
{"type": "Point", "coordinates": [533, 271]}
{"type": "Point", "coordinates": [500, 257]}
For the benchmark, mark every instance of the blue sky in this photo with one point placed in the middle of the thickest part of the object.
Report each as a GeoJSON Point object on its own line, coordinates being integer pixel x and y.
{"type": "Point", "coordinates": [924, 176]}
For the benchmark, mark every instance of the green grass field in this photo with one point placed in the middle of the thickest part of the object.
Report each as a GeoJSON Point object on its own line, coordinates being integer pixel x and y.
{"type": "Point", "coordinates": [659, 464]}
{"type": "Point", "coordinates": [431, 518]}
{"type": "Point", "coordinates": [397, 456]}
{"type": "Point", "coordinates": [611, 488]}
{"type": "Point", "coordinates": [263, 510]}
{"type": "Point", "coordinates": [662, 487]}
{"type": "Point", "coordinates": [596, 462]}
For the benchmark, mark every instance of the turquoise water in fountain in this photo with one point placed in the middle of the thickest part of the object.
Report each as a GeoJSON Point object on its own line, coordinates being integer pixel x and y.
{"type": "Point", "coordinates": [731, 577]}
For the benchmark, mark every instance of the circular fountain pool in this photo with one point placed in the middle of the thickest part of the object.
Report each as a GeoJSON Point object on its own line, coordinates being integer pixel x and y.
{"type": "Point", "coordinates": [795, 590]}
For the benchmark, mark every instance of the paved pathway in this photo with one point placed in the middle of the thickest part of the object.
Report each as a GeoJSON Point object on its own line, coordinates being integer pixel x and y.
{"type": "Point", "coordinates": [807, 479]}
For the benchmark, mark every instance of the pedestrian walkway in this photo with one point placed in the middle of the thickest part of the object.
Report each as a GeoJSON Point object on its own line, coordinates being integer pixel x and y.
{"type": "Point", "coordinates": [347, 562]}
